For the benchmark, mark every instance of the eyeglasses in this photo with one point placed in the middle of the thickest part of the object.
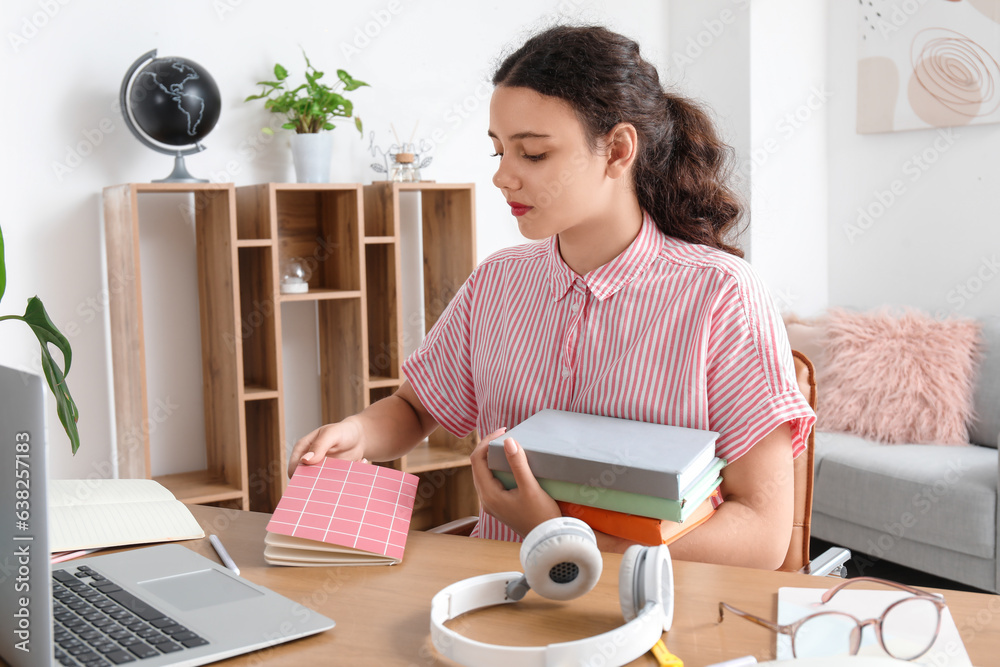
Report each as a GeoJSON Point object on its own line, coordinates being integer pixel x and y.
{"type": "Point", "coordinates": [905, 630]}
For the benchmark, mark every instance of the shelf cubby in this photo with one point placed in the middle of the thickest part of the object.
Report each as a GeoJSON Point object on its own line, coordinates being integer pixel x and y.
{"type": "Point", "coordinates": [447, 233]}
{"type": "Point", "coordinates": [225, 477]}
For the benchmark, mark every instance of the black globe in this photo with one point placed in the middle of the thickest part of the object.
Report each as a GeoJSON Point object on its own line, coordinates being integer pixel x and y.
{"type": "Point", "coordinates": [175, 101]}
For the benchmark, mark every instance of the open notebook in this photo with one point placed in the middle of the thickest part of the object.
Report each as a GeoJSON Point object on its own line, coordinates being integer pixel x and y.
{"type": "Point", "coordinates": [342, 513]}
{"type": "Point", "coordinates": [98, 513]}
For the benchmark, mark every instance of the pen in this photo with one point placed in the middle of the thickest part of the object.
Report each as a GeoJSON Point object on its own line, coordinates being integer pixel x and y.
{"type": "Point", "coordinates": [223, 554]}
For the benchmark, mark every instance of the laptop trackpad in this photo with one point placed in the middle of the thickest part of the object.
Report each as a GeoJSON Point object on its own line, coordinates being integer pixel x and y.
{"type": "Point", "coordinates": [196, 590]}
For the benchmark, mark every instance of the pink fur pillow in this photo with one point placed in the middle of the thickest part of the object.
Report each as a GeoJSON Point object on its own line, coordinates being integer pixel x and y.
{"type": "Point", "coordinates": [897, 377]}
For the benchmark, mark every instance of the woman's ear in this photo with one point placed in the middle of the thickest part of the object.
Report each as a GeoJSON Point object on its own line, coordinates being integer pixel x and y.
{"type": "Point", "coordinates": [622, 149]}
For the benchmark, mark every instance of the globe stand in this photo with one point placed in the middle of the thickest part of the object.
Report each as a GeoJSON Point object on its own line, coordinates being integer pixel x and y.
{"type": "Point", "coordinates": [180, 174]}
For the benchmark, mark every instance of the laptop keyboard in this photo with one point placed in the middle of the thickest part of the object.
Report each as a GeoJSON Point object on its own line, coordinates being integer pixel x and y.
{"type": "Point", "coordinates": [99, 623]}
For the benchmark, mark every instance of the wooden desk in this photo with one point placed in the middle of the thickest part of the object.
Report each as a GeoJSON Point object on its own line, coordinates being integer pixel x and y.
{"type": "Point", "coordinates": [383, 613]}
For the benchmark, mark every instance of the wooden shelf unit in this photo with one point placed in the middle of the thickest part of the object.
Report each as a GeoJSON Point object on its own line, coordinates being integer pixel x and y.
{"type": "Point", "coordinates": [348, 237]}
{"type": "Point", "coordinates": [225, 479]}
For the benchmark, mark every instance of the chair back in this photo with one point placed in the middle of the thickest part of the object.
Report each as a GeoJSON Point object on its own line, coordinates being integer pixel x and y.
{"type": "Point", "coordinates": [798, 548]}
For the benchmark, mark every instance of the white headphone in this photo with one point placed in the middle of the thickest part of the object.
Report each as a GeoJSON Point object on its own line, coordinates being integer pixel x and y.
{"type": "Point", "coordinates": [561, 561]}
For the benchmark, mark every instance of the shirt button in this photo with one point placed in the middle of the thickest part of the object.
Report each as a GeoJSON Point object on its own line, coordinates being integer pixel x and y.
{"type": "Point", "coordinates": [565, 373]}
{"type": "Point", "coordinates": [575, 307]}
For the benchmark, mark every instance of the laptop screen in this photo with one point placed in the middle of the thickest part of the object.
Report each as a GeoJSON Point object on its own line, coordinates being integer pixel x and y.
{"type": "Point", "coordinates": [25, 573]}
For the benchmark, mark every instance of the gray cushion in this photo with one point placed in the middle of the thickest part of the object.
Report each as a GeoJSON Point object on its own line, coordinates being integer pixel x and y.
{"type": "Point", "coordinates": [933, 494]}
{"type": "Point", "coordinates": [985, 428]}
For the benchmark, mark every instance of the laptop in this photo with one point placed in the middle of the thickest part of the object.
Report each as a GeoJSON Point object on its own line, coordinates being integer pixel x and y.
{"type": "Point", "coordinates": [158, 605]}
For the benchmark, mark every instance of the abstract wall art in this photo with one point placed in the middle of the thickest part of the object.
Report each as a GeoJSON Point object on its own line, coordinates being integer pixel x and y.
{"type": "Point", "coordinates": [927, 64]}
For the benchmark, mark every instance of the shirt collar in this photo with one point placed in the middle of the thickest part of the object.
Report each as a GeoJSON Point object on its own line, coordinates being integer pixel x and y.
{"type": "Point", "coordinates": [606, 280]}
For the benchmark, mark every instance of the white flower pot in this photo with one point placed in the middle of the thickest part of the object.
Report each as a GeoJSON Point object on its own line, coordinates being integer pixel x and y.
{"type": "Point", "coordinates": [312, 155]}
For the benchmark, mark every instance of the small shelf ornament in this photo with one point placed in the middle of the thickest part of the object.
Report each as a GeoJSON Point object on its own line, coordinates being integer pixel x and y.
{"type": "Point", "coordinates": [401, 162]}
{"type": "Point", "coordinates": [294, 278]}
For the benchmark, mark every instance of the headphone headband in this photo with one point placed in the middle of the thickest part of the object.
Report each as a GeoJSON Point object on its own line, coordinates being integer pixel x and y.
{"type": "Point", "coordinates": [616, 647]}
{"type": "Point", "coordinates": [553, 548]}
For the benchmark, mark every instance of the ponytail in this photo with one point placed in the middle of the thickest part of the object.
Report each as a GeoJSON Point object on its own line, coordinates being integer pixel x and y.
{"type": "Point", "coordinates": [681, 181]}
{"type": "Point", "coordinates": [680, 174]}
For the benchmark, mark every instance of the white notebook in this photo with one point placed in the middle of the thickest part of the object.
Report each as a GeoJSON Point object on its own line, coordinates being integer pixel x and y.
{"type": "Point", "coordinates": [97, 513]}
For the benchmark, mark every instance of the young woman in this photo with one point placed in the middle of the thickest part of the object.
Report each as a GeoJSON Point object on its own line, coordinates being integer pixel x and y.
{"type": "Point", "coordinates": [632, 304]}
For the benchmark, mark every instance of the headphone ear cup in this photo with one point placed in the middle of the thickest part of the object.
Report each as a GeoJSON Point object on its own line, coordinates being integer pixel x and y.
{"type": "Point", "coordinates": [627, 589]}
{"type": "Point", "coordinates": [561, 560]}
{"type": "Point", "coordinates": [646, 575]}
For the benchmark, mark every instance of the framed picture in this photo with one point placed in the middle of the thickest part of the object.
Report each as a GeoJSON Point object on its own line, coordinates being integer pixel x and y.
{"type": "Point", "coordinates": [927, 64]}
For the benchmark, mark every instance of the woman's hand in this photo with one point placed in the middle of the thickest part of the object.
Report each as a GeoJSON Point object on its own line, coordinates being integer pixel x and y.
{"type": "Point", "coordinates": [343, 440]}
{"type": "Point", "coordinates": [521, 508]}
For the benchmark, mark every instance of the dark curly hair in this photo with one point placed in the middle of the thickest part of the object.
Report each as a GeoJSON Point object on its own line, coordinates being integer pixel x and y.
{"type": "Point", "coordinates": [682, 170]}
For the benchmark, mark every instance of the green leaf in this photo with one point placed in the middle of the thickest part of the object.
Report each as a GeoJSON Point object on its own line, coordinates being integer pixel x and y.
{"type": "Point", "coordinates": [329, 126]}
{"type": "Point", "coordinates": [48, 334]}
{"type": "Point", "coordinates": [46, 330]}
{"type": "Point", "coordinates": [357, 124]}
{"type": "Point", "coordinates": [289, 126]}
{"type": "Point", "coordinates": [267, 130]}
{"type": "Point", "coordinates": [3, 268]}
{"type": "Point", "coordinates": [350, 83]}
{"type": "Point", "coordinates": [280, 73]}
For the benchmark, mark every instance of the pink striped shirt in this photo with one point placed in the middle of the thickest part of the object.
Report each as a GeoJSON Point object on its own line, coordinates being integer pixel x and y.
{"type": "Point", "coordinates": [667, 332]}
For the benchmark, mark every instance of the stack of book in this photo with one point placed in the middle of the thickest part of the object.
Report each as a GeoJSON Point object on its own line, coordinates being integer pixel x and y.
{"type": "Point", "coordinates": [649, 483]}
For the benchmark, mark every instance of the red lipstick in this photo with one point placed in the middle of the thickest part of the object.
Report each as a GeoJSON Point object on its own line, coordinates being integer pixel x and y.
{"type": "Point", "coordinates": [519, 209]}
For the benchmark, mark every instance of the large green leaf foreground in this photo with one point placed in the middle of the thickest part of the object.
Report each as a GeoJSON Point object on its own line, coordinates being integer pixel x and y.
{"type": "Point", "coordinates": [48, 334]}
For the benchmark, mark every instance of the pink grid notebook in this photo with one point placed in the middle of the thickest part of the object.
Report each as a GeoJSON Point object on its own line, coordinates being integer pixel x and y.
{"type": "Point", "coordinates": [360, 506]}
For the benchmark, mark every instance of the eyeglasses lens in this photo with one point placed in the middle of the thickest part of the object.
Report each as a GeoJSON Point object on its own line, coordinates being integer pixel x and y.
{"type": "Point", "coordinates": [824, 635]}
{"type": "Point", "coordinates": [909, 628]}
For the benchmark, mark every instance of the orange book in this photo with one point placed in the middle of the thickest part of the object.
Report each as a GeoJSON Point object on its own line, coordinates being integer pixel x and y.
{"type": "Point", "coordinates": [641, 529]}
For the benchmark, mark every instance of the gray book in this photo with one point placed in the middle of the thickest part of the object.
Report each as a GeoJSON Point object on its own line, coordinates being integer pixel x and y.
{"type": "Point", "coordinates": [606, 452]}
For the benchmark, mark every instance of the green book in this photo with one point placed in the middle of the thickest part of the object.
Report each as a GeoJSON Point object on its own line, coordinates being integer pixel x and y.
{"type": "Point", "coordinates": [625, 501]}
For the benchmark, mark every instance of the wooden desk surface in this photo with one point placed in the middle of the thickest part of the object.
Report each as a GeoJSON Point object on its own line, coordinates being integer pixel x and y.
{"type": "Point", "coordinates": [383, 613]}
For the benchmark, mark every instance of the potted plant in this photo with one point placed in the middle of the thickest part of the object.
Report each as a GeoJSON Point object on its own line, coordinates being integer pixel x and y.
{"type": "Point", "coordinates": [47, 333]}
{"type": "Point", "coordinates": [309, 110]}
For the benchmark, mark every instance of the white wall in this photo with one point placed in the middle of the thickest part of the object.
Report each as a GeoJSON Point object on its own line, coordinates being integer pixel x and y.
{"type": "Point", "coordinates": [65, 141]}
{"type": "Point", "coordinates": [761, 67]}
{"type": "Point", "coordinates": [788, 156]}
{"type": "Point", "coordinates": [935, 242]}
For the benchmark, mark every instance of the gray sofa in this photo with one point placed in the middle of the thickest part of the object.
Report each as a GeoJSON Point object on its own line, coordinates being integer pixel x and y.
{"type": "Point", "coordinates": [933, 508]}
